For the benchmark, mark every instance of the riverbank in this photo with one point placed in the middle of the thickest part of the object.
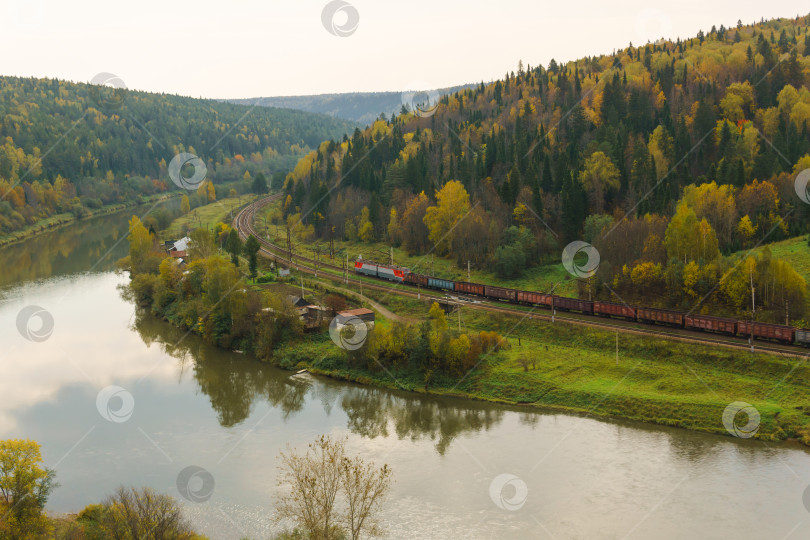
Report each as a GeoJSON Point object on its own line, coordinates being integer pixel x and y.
{"type": "Point", "coordinates": [570, 369]}
{"type": "Point", "coordinates": [589, 372]}
{"type": "Point", "coordinates": [61, 220]}
{"type": "Point", "coordinates": [554, 366]}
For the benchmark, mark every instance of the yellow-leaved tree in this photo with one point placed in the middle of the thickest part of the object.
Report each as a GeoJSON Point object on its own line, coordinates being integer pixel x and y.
{"type": "Point", "coordinates": [365, 229]}
{"type": "Point", "coordinates": [716, 204]}
{"type": "Point", "coordinates": [746, 229]}
{"type": "Point", "coordinates": [601, 179]}
{"type": "Point", "coordinates": [25, 485]}
{"type": "Point", "coordinates": [688, 239]}
{"type": "Point", "coordinates": [141, 245]}
{"type": "Point", "coordinates": [452, 204]}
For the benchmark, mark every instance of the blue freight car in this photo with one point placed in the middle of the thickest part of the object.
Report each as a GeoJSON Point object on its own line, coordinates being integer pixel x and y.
{"type": "Point", "coordinates": [437, 283]}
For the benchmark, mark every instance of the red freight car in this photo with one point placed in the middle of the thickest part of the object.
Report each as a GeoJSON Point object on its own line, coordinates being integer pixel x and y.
{"type": "Point", "coordinates": [573, 304]}
{"type": "Point", "coordinates": [609, 309]}
{"type": "Point", "coordinates": [499, 293]}
{"type": "Point", "coordinates": [416, 279]}
{"type": "Point", "coordinates": [663, 316]}
{"type": "Point", "coordinates": [712, 324]}
{"type": "Point", "coordinates": [777, 332]}
{"type": "Point", "coordinates": [540, 299]}
{"type": "Point", "coordinates": [469, 288]}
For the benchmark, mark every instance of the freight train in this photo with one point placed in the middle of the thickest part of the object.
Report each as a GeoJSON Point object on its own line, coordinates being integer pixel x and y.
{"type": "Point", "coordinates": [647, 315]}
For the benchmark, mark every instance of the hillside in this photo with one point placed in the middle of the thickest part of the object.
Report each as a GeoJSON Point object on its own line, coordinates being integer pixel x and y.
{"type": "Point", "coordinates": [68, 147]}
{"type": "Point", "coordinates": [667, 157]}
{"type": "Point", "coordinates": [361, 107]}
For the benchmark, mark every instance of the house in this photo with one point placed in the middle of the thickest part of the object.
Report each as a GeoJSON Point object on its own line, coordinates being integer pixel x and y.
{"type": "Point", "coordinates": [365, 315]}
{"type": "Point", "coordinates": [178, 245]}
{"type": "Point", "coordinates": [297, 301]}
{"type": "Point", "coordinates": [313, 316]}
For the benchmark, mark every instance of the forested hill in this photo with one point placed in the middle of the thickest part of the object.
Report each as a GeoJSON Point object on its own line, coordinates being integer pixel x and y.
{"type": "Point", "coordinates": [361, 107]}
{"type": "Point", "coordinates": [65, 147]}
{"type": "Point", "coordinates": [603, 149]}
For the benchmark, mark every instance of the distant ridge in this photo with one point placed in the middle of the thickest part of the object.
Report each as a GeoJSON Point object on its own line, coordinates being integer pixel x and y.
{"type": "Point", "coordinates": [361, 107]}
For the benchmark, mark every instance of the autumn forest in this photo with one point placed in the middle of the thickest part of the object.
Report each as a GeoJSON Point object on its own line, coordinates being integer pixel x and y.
{"type": "Point", "coordinates": [674, 159]}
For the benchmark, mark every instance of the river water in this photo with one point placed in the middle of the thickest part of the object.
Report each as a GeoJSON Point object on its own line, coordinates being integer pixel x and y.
{"type": "Point", "coordinates": [116, 397]}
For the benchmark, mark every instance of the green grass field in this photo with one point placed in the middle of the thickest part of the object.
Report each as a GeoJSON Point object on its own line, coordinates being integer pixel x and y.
{"type": "Point", "coordinates": [793, 250]}
{"type": "Point", "coordinates": [207, 216]}
{"type": "Point", "coordinates": [577, 369]}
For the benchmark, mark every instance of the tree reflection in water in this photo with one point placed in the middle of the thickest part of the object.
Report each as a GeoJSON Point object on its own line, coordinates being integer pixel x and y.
{"type": "Point", "coordinates": [94, 244]}
{"type": "Point", "coordinates": [234, 382]}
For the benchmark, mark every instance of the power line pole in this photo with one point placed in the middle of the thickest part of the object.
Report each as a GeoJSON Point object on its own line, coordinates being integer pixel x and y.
{"type": "Point", "coordinates": [289, 243]}
{"type": "Point", "coordinates": [753, 308]}
{"type": "Point", "coordinates": [468, 270]}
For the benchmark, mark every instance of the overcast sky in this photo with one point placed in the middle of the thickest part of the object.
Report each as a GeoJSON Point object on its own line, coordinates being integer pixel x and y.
{"type": "Point", "coordinates": [246, 48]}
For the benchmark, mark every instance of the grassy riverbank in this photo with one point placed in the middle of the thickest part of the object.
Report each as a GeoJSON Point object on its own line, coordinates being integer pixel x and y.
{"type": "Point", "coordinates": [581, 370]}
{"type": "Point", "coordinates": [576, 369]}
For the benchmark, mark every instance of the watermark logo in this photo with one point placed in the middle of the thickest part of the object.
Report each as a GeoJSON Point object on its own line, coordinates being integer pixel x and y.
{"type": "Point", "coordinates": [195, 484]}
{"type": "Point", "coordinates": [181, 165]}
{"type": "Point", "coordinates": [508, 492]}
{"type": "Point", "coordinates": [752, 420]}
{"type": "Point", "coordinates": [573, 266]}
{"type": "Point", "coordinates": [652, 26]}
{"type": "Point", "coordinates": [115, 404]}
{"type": "Point", "coordinates": [801, 184]}
{"type": "Point", "coordinates": [422, 103]}
{"type": "Point", "coordinates": [349, 334]}
{"type": "Point", "coordinates": [36, 333]}
{"type": "Point", "coordinates": [108, 91]}
{"type": "Point", "coordinates": [340, 18]}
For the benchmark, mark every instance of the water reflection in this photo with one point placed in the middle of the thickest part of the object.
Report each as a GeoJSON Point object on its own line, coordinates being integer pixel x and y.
{"type": "Point", "coordinates": [93, 244]}
{"type": "Point", "coordinates": [198, 405]}
{"type": "Point", "coordinates": [234, 383]}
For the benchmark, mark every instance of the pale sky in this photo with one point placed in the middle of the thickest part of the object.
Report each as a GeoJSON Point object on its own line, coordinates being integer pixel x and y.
{"type": "Point", "coordinates": [247, 48]}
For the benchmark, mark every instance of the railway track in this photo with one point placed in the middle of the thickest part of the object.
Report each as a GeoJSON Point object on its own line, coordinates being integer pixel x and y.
{"type": "Point", "coordinates": [243, 223]}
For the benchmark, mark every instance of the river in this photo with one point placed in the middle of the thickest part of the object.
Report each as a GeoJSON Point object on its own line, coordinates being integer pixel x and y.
{"type": "Point", "coordinates": [116, 397]}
